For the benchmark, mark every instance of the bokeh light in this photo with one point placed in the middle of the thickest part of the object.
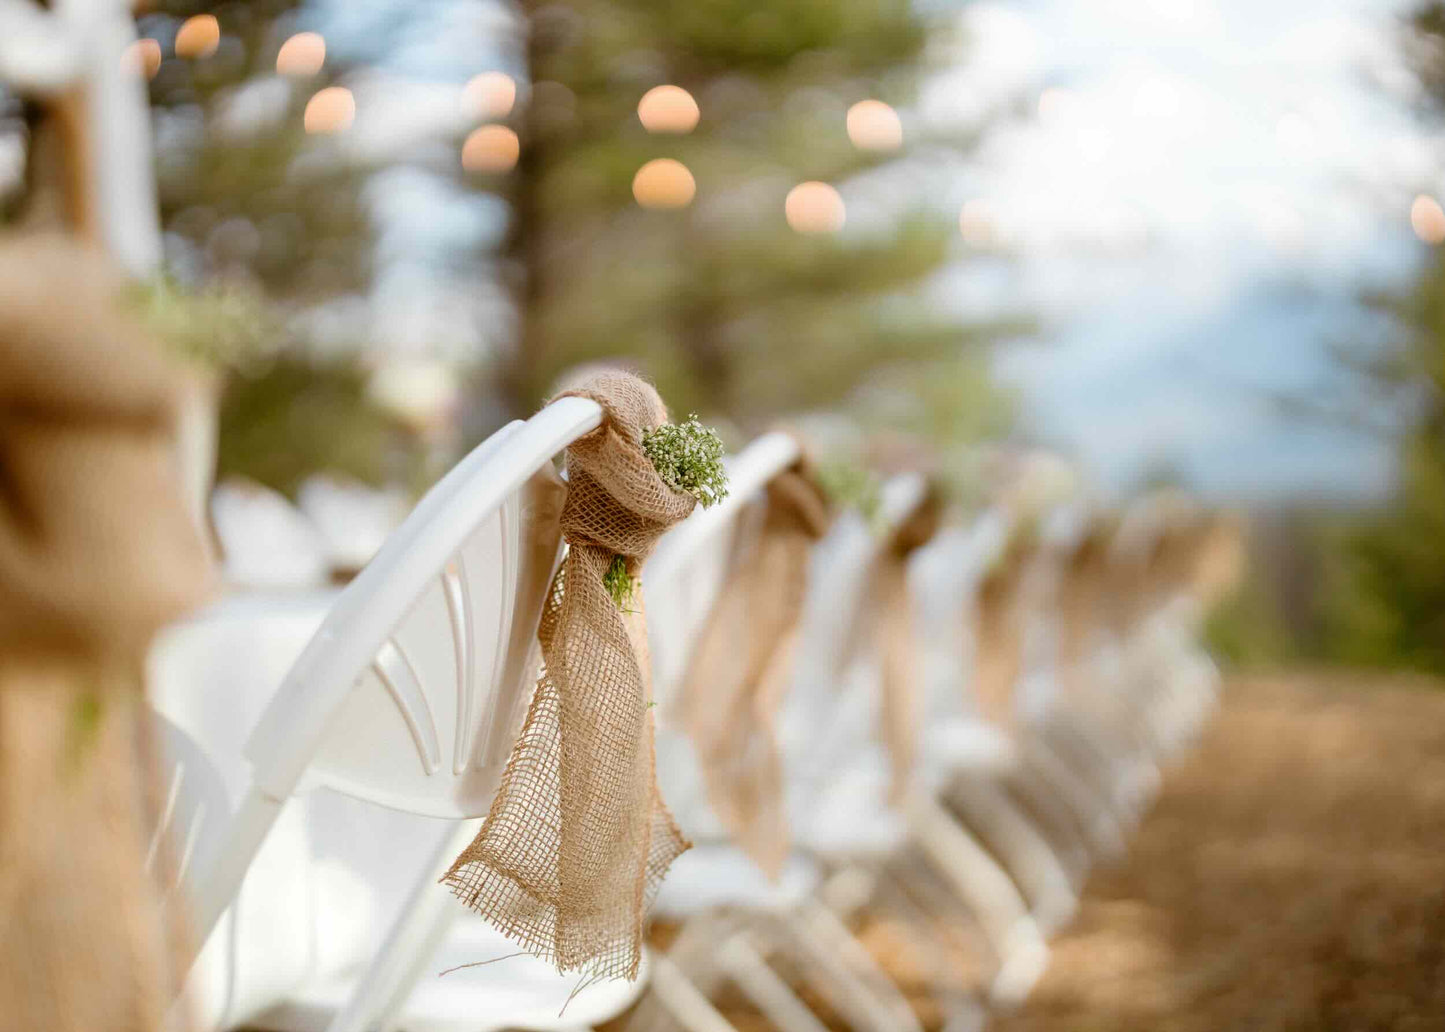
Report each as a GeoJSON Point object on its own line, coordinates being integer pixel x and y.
{"type": "Point", "coordinates": [873, 125]}
{"type": "Point", "coordinates": [814, 207]}
{"type": "Point", "coordinates": [198, 36]}
{"type": "Point", "coordinates": [490, 95]}
{"type": "Point", "coordinates": [663, 183]}
{"type": "Point", "coordinates": [668, 109]}
{"type": "Point", "coordinates": [978, 222]}
{"type": "Point", "coordinates": [1427, 219]}
{"type": "Point", "coordinates": [491, 148]}
{"type": "Point", "coordinates": [331, 110]}
{"type": "Point", "coordinates": [143, 57]}
{"type": "Point", "coordinates": [303, 54]}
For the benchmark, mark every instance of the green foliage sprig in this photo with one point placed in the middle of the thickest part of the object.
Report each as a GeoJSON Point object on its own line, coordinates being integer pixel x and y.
{"type": "Point", "coordinates": [219, 326]}
{"type": "Point", "coordinates": [688, 458]}
{"type": "Point", "coordinates": [620, 584]}
{"type": "Point", "coordinates": [851, 486]}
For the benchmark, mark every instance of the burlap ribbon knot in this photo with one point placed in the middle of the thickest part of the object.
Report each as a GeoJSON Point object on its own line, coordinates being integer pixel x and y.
{"type": "Point", "coordinates": [578, 838]}
{"type": "Point", "coordinates": [97, 550]}
{"type": "Point", "coordinates": [894, 628]}
{"type": "Point", "coordinates": [742, 665]}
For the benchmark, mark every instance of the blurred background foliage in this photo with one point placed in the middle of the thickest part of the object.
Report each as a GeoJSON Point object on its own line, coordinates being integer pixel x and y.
{"type": "Point", "coordinates": [735, 315]}
{"type": "Point", "coordinates": [1367, 585]}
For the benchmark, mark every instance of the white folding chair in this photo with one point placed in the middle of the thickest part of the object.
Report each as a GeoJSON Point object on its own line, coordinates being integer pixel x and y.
{"type": "Point", "coordinates": [1048, 772]}
{"type": "Point", "coordinates": [408, 696]}
{"type": "Point", "coordinates": [841, 804]}
{"type": "Point", "coordinates": [962, 754]}
{"type": "Point", "coordinates": [681, 583]}
{"type": "Point", "coordinates": [1065, 732]}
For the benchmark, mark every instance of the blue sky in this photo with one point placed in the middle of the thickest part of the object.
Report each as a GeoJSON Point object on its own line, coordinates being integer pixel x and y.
{"type": "Point", "coordinates": [1194, 198]}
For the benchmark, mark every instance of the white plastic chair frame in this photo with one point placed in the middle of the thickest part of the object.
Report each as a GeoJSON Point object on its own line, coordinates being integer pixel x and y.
{"type": "Point", "coordinates": [360, 714]}
{"type": "Point", "coordinates": [430, 913]}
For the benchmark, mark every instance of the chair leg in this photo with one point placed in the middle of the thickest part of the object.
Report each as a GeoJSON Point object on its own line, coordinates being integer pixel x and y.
{"type": "Point", "coordinates": [852, 978]}
{"type": "Point", "coordinates": [988, 892]}
{"type": "Point", "coordinates": [741, 961]}
{"type": "Point", "coordinates": [1023, 850]}
{"type": "Point", "coordinates": [682, 1000]}
{"type": "Point", "coordinates": [962, 1010]}
{"type": "Point", "coordinates": [1102, 762]}
{"type": "Point", "coordinates": [1102, 832]}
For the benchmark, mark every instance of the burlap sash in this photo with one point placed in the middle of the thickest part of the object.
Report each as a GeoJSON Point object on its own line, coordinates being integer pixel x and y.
{"type": "Point", "coordinates": [97, 550]}
{"type": "Point", "coordinates": [998, 632]}
{"type": "Point", "coordinates": [1085, 602]}
{"type": "Point", "coordinates": [578, 838]}
{"type": "Point", "coordinates": [897, 645]}
{"type": "Point", "coordinates": [741, 668]}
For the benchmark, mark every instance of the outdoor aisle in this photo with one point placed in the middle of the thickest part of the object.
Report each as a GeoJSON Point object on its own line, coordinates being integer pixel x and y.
{"type": "Point", "coordinates": [1291, 876]}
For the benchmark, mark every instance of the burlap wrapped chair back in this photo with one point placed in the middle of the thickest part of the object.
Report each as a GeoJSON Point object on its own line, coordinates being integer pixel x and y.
{"type": "Point", "coordinates": [578, 838]}
{"type": "Point", "coordinates": [742, 666]}
{"type": "Point", "coordinates": [97, 550]}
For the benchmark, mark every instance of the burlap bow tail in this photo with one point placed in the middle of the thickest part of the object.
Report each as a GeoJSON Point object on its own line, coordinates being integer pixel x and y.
{"type": "Point", "coordinates": [741, 668]}
{"type": "Point", "coordinates": [998, 619]}
{"type": "Point", "coordinates": [1085, 604]}
{"type": "Point", "coordinates": [898, 647]}
{"type": "Point", "coordinates": [578, 838]}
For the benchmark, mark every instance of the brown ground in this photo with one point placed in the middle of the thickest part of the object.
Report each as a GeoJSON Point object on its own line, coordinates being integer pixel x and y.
{"type": "Point", "coordinates": [1291, 875]}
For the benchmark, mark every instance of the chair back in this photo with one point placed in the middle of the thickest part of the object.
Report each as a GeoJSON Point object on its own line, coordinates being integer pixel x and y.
{"type": "Point", "coordinates": [411, 692]}
{"type": "Point", "coordinates": [684, 576]}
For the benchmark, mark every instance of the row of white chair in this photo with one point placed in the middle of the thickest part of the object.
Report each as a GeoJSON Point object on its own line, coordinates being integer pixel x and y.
{"type": "Point", "coordinates": [293, 727]}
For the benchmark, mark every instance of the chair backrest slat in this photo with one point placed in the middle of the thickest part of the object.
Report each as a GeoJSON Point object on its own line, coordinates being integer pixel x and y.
{"type": "Point", "coordinates": [409, 692]}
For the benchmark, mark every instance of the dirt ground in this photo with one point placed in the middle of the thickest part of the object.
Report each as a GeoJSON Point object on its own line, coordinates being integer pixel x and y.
{"type": "Point", "coordinates": [1290, 876]}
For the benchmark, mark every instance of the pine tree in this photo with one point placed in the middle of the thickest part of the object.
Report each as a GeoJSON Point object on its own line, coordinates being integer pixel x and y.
{"type": "Point", "coordinates": [234, 169]}
{"type": "Point", "coordinates": [1388, 602]}
{"type": "Point", "coordinates": [733, 313]}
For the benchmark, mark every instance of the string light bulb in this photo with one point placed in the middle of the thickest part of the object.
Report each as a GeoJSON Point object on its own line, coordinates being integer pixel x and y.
{"type": "Point", "coordinates": [814, 208]}
{"type": "Point", "coordinates": [664, 183]}
{"type": "Point", "coordinates": [873, 125]}
{"type": "Point", "coordinates": [301, 55]}
{"type": "Point", "coordinates": [1427, 219]}
{"type": "Point", "coordinates": [491, 148]}
{"type": "Point", "coordinates": [490, 95]}
{"type": "Point", "coordinates": [668, 109]}
{"type": "Point", "coordinates": [329, 111]}
{"type": "Point", "coordinates": [143, 57]}
{"type": "Point", "coordinates": [198, 36]}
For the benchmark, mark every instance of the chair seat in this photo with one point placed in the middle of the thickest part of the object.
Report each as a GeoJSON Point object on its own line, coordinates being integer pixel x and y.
{"type": "Point", "coordinates": [512, 991]}
{"type": "Point", "coordinates": [715, 875]}
{"type": "Point", "coordinates": [852, 816]}
{"type": "Point", "coordinates": [957, 746]}
{"type": "Point", "coordinates": [295, 919]}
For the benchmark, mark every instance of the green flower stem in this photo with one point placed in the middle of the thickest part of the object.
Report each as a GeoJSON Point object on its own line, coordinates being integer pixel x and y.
{"type": "Point", "coordinates": [620, 584]}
